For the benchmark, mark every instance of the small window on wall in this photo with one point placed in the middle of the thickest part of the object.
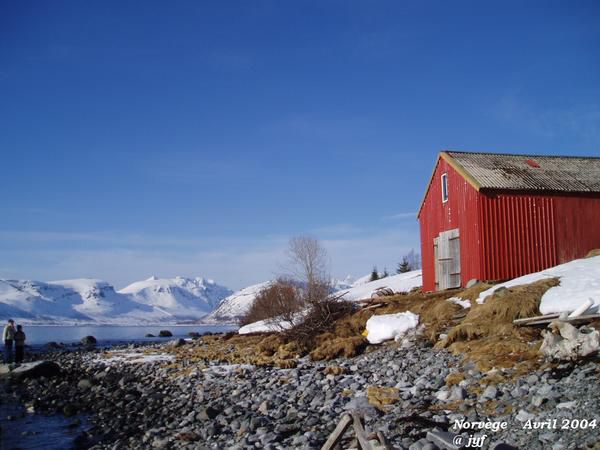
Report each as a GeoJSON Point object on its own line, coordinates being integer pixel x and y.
{"type": "Point", "coordinates": [444, 188]}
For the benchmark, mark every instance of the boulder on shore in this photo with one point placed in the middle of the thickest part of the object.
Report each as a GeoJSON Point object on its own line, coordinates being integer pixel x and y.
{"type": "Point", "coordinates": [88, 340]}
{"type": "Point", "coordinates": [34, 369]}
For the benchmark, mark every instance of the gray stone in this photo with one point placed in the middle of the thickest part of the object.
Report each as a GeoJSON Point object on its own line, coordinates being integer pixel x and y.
{"type": "Point", "coordinates": [490, 393]}
{"type": "Point", "coordinates": [30, 370]}
{"type": "Point", "coordinates": [443, 439]}
{"type": "Point", "coordinates": [457, 393]}
{"type": "Point", "coordinates": [88, 340]}
{"type": "Point", "coordinates": [84, 384]}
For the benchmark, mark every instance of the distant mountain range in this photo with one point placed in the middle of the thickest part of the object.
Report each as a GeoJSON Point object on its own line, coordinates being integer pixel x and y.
{"type": "Point", "coordinates": [94, 301]}
{"type": "Point", "coordinates": [152, 301]}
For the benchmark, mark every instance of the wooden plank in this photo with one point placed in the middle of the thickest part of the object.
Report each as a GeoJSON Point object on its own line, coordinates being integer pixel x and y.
{"type": "Point", "coordinates": [574, 320]}
{"type": "Point", "coordinates": [338, 433]}
{"type": "Point", "coordinates": [383, 441]}
{"type": "Point", "coordinates": [360, 433]}
{"type": "Point", "coordinates": [454, 248]}
{"type": "Point", "coordinates": [534, 318]}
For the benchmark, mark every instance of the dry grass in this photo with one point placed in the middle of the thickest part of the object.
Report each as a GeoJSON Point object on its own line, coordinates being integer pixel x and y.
{"type": "Point", "coordinates": [381, 397]}
{"type": "Point", "coordinates": [335, 370]}
{"type": "Point", "coordinates": [487, 335]}
{"type": "Point", "coordinates": [455, 378]}
{"type": "Point", "coordinates": [592, 253]}
{"type": "Point", "coordinates": [334, 347]}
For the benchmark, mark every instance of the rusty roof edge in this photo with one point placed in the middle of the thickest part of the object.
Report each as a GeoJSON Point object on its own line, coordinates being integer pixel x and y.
{"type": "Point", "coordinates": [529, 155]}
{"type": "Point", "coordinates": [461, 170]}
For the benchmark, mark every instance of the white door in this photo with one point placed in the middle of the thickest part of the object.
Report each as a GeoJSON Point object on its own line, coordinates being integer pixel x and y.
{"type": "Point", "coordinates": [447, 259]}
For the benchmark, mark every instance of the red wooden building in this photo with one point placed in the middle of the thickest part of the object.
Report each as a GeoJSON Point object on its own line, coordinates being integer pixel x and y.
{"type": "Point", "coordinates": [489, 216]}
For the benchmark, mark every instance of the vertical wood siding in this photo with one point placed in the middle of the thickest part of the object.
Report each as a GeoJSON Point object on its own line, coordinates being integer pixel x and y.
{"type": "Point", "coordinates": [577, 224]}
{"type": "Point", "coordinates": [518, 235]}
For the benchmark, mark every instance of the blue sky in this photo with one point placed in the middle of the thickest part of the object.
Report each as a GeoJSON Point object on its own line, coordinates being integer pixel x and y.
{"type": "Point", "coordinates": [194, 138]}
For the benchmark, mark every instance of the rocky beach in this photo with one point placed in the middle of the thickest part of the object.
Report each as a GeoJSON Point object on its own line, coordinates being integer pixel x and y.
{"type": "Point", "coordinates": [153, 396]}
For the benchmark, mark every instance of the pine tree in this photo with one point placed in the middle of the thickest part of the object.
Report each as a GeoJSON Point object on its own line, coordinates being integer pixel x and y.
{"type": "Point", "coordinates": [404, 266]}
{"type": "Point", "coordinates": [385, 273]}
{"type": "Point", "coordinates": [374, 274]}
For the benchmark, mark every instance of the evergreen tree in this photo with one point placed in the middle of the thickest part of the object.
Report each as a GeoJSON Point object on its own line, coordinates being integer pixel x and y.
{"type": "Point", "coordinates": [374, 274]}
{"type": "Point", "coordinates": [385, 273]}
{"type": "Point", "coordinates": [404, 266]}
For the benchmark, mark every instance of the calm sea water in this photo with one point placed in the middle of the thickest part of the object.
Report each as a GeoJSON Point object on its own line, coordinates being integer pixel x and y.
{"type": "Point", "coordinates": [106, 335]}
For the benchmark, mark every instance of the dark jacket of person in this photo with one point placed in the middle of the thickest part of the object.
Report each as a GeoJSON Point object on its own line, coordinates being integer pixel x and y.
{"type": "Point", "coordinates": [19, 339]}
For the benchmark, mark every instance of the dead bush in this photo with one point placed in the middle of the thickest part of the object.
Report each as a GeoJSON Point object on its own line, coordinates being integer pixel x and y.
{"type": "Point", "coordinates": [282, 299]}
{"type": "Point", "coordinates": [320, 318]}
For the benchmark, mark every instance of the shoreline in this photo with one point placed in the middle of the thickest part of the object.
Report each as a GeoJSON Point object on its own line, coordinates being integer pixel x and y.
{"type": "Point", "coordinates": [412, 393]}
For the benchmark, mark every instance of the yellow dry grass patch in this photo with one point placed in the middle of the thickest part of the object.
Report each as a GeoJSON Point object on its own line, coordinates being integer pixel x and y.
{"type": "Point", "coordinates": [592, 253]}
{"type": "Point", "coordinates": [455, 378]}
{"type": "Point", "coordinates": [381, 397]}
{"type": "Point", "coordinates": [331, 347]}
{"type": "Point", "coordinates": [335, 370]}
{"type": "Point", "coordinates": [487, 335]}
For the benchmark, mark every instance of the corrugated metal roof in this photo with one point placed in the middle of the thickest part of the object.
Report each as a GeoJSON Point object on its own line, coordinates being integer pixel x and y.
{"type": "Point", "coordinates": [530, 172]}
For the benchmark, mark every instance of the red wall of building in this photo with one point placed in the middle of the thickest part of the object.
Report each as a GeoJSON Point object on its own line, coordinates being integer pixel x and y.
{"type": "Point", "coordinates": [460, 211]}
{"type": "Point", "coordinates": [518, 235]}
{"type": "Point", "coordinates": [577, 223]}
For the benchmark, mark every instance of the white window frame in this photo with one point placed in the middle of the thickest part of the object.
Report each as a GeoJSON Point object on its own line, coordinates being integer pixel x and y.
{"type": "Point", "coordinates": [444, 181]}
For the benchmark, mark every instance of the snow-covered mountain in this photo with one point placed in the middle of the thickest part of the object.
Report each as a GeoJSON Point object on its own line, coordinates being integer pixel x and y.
{"type": "Point", "coordinates": [70, 301]}
{"type": "Point", "coordinates": [96, 301]}
{"type": "Point", "coordinates": [232, 308]}
{"type": "Point", "coordinates": [183, 298]}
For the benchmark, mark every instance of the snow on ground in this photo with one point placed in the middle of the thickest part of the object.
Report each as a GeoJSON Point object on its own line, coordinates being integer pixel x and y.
{"type": "Point", "coordinates": [265, 326]}
{"type": "Point", "coordinates": [223, 370]}
{"type": "Point", "coordinates": [402, 282]}
{"type": "Point", "coordinates": [460, 302]}
{"type": "Point", "coordinates": [390, 326]}
{"type": "Point", "coordinates": [579, 282]}
{"type": "Point", "coordinates": [129, 357]}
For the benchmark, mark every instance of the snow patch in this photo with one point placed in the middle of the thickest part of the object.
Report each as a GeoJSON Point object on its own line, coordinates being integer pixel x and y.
{"type": "Point", "coordinates": [579, 282]}
{"type": "Point", "coordinates": [129, 357]}
{"type": "Point", "coordinates": [390, 326]}
{"type": "Point", "coordinates": [402, 282]}
{"type": "Point", "coordinates": [459, 301]}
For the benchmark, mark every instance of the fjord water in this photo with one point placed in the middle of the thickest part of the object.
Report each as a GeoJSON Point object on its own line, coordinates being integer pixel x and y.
{"type": "Point", "coordinates": [107, 334]}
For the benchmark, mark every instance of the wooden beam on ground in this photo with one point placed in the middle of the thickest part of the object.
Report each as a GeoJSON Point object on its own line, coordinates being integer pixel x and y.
{"type": "Point", "coordinates": [361, 435]}
{"type": "Point", "coordinates": [535, 318]}
{"type": "Point", "coordinates": [338, 433]}
{"type": "Point", "coordinates": [383, 441]}
{"type": "Point", "coordinates": [573, 321]}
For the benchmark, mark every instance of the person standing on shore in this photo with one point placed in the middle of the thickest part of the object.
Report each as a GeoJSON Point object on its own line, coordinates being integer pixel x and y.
{"type": "Point", "coordinates": [19, 344]}
{"type": "Point", "coordinates": [8, 336]}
